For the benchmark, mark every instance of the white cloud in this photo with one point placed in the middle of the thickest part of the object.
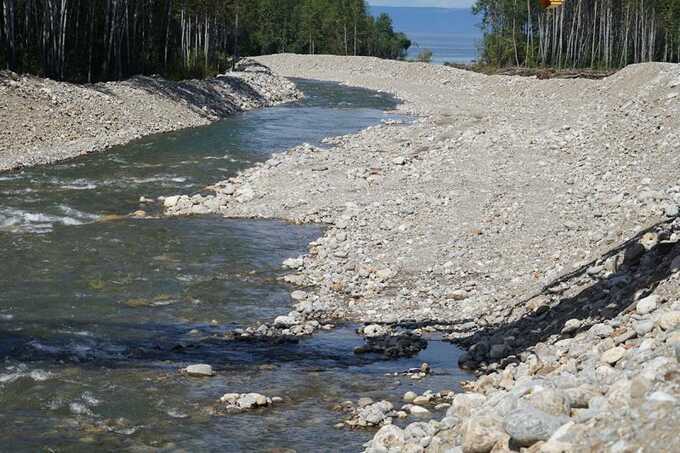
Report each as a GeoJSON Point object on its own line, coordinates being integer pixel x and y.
{"type": "Point", "coordinates": [440, 3]}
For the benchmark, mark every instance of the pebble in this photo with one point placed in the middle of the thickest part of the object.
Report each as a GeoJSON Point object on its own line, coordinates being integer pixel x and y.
{"type": "Point", "coordinates": [647, 305]}
{"type": "Point", "coordinates": [409, 397]}
{"type": "Point", "coordinates": [613, 355]}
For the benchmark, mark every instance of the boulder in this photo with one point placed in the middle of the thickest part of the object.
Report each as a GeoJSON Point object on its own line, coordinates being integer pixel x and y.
{"type": "Point", "coordinates": [550, 401]}
{"type": "Point", "coordinates": [647, 305]}
{"type": "Point", "coordinates": [199, 370]}
{"type": "Point", "coordinates": [528, 425]}
{"type": "Point", "coordinates": [613, 355]}
{"type": "Point", "coordinates": [389, 437]}
{"type": "Point", "coordinates": [464, 404]}
{"type": "Point", "coordinates": [481, 433]}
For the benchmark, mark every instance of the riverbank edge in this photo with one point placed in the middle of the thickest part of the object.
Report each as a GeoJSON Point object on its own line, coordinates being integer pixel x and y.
{"type": "Point", "coordinates": [534, 390]}
{"type": "Point", "coordinates": [127, 110]}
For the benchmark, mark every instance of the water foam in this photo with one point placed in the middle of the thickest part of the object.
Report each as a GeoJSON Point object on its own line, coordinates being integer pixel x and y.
{"type": "Point", "coordinates": [23, 221]}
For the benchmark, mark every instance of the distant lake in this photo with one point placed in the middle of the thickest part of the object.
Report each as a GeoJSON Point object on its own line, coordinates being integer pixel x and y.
{"type": "Point", "coordinates": [446, 47]}
{"type": "Point", "coordinates": [451, 33]}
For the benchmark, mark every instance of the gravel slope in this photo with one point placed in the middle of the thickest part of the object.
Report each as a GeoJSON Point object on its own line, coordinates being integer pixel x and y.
{"type": "Point", "coordinates": [44, 121]}
{"type": "Point", "coordinates": [528, 220]}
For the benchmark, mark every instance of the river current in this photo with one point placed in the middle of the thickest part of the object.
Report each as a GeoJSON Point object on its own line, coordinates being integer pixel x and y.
{"type": "Point", "coordinates": [98, 313]}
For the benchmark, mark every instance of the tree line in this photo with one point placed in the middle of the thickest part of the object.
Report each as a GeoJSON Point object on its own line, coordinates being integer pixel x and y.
{"type": "Point", "coordinates": [93, 40]}
{"type": "Point", "coordinates": [581, 33]}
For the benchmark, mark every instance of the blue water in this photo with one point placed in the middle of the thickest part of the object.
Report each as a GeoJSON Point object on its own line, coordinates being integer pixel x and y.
{"type": "Point", "coordinates": [98, 313]}
{"type": "Point", "coordinates": [454, 47]}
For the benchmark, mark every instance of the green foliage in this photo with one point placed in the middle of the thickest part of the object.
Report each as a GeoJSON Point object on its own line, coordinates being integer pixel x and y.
{"type": "Point", "coordinates": [581, 33]}
{"type": "Point", "coordinates": [112, 39]}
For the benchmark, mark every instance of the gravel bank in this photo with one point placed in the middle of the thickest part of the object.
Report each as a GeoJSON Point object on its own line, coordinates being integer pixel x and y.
{"type": "Point", "coordinates": [527, 219]}
{"type": "Point", "coordinates": [45, 121]}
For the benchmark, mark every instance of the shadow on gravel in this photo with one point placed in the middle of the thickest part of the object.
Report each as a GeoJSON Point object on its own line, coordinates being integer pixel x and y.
{"type": "Point", "coordinates": [598, 291]}
{"type": "Point", "coordinates": [208, 97]}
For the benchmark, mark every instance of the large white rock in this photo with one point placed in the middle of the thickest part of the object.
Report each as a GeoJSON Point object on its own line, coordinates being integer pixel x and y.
{"type": "Point", "coordinates": [293, 263]}
{"type": "Point", "coordinates": [285, 321]}
{"type": "Point", "coordinates": [171, 202]}
{"type": "Point", "coordinates": [199, 370]}
{"type": "Point", "coordinates": [647, 305]}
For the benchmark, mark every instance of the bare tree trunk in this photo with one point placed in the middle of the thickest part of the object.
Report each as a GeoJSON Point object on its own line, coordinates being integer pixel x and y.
{"type": "Point", "coordinates": [236, 32]}
{"type": "Point", "coordinates": [9, 9]}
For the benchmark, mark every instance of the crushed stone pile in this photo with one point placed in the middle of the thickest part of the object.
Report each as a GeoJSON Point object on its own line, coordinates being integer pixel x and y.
{"type": "Point", "coordinates": [533, 222]}
{"type": "Point", "coordinates": [45, 121]}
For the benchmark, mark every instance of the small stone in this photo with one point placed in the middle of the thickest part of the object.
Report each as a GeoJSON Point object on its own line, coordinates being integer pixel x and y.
{"type": "Point", "coordinates": [647, 305]}
{"type": "Point", "coordinates": [643, 327]}
{"type": "Point", "coordinates": [550, 401]}
{"type": "Point", "coordinates": [481, 433]}
{"type": "Point", "coordinates": [527, 426]}
{"type": "Point", "coordinates": [376, 413]}
{"type": "Point", "coordinates": [669, 320]}
{"type": "Point", "coordinates": [383, 274]}
{"type": "Point", "coordinates": [285, 321]}
{"type": "Point", "coordinates": [661, 397]}
{"type": "Point", "coordinates": [252, 400]}
{"type": "Point", "coordinates": [579, 397]}
{"type": "Point", "coordinates": [199, 370]}
{"type": "Point", "coordinates": [388, 438]}
{"type": "Point", "coordinates": [298, 295]}
{"type": "Point", "coordinates": [363, 402]}
{"type": "Point", "coordinates": [464, 404]}
{"type": "Point", "coordinates": [571, 326]}
{"type": "Point", "coordinates": [421, 400]}
{"type": "Point", "coordinates": [410, 396]}
{"type": "Point", "coordinates": [418, 411]}
{"type": "Point", "coordinates": [230, 398]}
{"type": "Point", "coordinates": [675, 264]}
{"type": "Point", "coordinates": [228, 189]}
{"type": "Point", "coordinates": [601, 330]}
{"type": "Point", "coordinates": [171, 202]}
{"type": "Point", "coordinates": [458, 294]}
{"type": "Point", "coordinates": [671, 210]}
{"type": "Point", "coordinates": [649, 240]}
{"type": "Point", "coordinates": [375, 330]}
{"type": "Point", "coordinates": [613, 355]}
{"type": "Point", "coordinates": [499, 351]}
{"type": "Point", "coordinates": [293, 263]}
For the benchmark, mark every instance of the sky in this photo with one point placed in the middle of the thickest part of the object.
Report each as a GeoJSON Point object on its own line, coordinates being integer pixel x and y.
{"type": "Point", "coordinates": [440, 3]}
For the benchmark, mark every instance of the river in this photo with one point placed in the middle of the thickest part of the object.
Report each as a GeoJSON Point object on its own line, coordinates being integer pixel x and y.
{"type": "Point", "coordinates": [98, 313]}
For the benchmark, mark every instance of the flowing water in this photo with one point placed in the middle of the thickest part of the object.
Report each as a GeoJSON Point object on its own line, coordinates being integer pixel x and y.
{"type": "Point", "coordinates": [97, 315]}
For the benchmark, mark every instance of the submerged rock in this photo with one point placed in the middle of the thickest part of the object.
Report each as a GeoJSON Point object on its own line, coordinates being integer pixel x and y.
{"type": "Point", "coordinates": [199, 370]}
{"type": "Point", "coordinates": [233, 403]}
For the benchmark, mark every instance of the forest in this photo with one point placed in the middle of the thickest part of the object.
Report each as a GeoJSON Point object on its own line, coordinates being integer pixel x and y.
{"type": "Point", "coordinates": [599, 34]}
{"type": "Point", "coordinates": [95, 40]}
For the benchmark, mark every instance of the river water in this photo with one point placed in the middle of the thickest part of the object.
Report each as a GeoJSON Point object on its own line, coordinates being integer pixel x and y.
{"type": "Point", "coordinates": [97, 314]}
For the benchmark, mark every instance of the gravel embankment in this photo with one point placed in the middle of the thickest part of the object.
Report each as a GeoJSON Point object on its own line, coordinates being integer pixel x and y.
{"type": "Point", "coordinates": [45, 121]}
{"type": "Point", "coordinates": [531, 221]}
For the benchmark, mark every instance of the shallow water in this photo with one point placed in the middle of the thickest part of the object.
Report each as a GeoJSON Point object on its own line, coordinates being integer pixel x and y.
{"type": "Point", "coordinates": [96, 316]}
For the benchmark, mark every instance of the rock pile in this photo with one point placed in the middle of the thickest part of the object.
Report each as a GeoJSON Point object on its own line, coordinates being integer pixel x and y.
{"type": "Point", "coordinates": [530, 220]}
{"type": "Point", "coordinates": [578, 383]}
{"type": "Point", "coordinates": [235, 403]}
{"type": "Point", "coordinates": [45, 121]}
